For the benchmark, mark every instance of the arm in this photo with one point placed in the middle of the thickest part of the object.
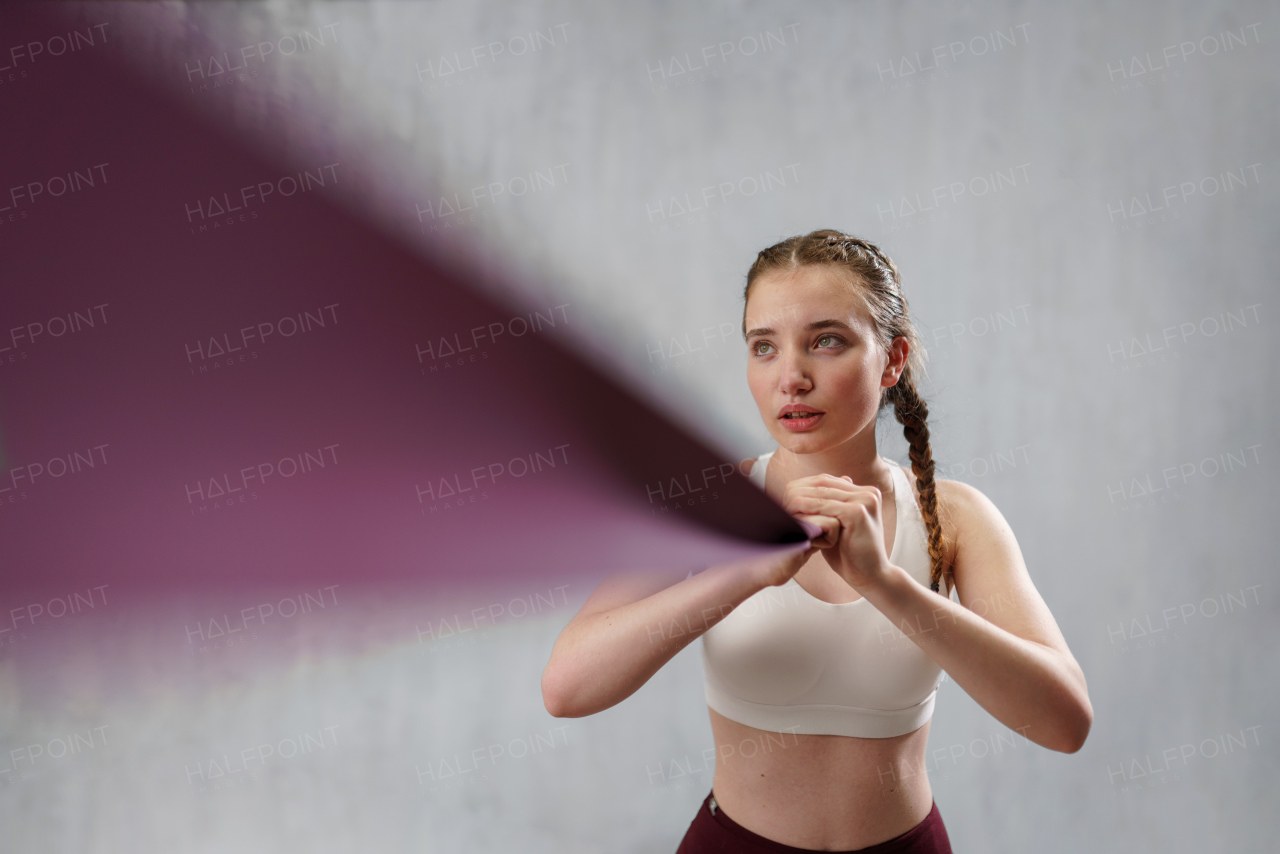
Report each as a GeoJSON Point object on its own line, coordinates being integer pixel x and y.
{"type": "Point", "coordinates": [1000, 644]}
{"type": "Point", "coordinates": [633, 624]}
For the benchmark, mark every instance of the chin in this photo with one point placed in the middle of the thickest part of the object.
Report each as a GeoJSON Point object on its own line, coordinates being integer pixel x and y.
{"type": "Point", "coordinates": [802, 443]}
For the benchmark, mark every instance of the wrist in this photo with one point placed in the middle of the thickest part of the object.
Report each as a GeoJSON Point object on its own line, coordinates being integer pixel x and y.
{"type": "Point", "coordinates": [780, 567]}
{"type": "Point", "coordinates": [888, 584]}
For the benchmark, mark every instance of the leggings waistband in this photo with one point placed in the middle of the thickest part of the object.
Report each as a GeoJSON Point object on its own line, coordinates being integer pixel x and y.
{"type": "Point", "coordinates": [713, 830]}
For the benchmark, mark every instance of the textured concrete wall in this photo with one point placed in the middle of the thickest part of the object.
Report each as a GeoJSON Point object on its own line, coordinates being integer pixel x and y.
{"type": "Point", "coordinates": [1082, 201]}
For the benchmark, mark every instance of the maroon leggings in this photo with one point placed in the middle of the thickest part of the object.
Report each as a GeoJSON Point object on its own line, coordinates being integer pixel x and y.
{"type": "Point", "coordinates": [713, 831]}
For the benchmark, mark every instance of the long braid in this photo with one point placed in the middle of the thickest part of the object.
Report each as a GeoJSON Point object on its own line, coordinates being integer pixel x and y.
{"type": "Point", "coordinates": [879, 283]}
{"type": "Point", "coordinates": [912, 413]}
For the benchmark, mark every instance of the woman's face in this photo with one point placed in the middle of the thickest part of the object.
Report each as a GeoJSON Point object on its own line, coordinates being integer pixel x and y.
{"type": "Point", "coordinates": [810, 341]}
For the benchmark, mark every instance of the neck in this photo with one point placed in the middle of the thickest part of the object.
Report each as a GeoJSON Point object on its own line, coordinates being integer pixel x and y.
{"type": "Point", "coordinates": [856, 458]}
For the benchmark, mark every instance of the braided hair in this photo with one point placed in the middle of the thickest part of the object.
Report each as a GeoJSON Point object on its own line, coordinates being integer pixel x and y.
{"type": "Point", "coordinates": [881, 290]}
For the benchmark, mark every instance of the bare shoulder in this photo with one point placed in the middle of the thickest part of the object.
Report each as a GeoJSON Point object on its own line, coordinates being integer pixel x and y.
{"type": "Point", "coordinates": [954, 500]}
{"type": "Point", "coordinates": [963, 507]}
{"type": "Point", "coordinates": [967, 515]}
{"type": "Point", "coordinates": [987, 565]}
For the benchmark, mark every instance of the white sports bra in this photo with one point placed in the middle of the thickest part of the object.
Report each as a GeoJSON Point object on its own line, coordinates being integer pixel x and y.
{"type": "Point", "coordinates": [786, 661]}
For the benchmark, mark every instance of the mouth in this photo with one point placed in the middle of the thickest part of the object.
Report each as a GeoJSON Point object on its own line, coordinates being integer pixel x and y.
{"type": "Point", "coordinates": [796, 417]}
{"type": "Point", "coordinates": [798, 411]}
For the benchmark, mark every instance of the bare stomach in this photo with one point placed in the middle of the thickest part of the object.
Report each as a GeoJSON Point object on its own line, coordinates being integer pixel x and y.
{"type": "Point", "coordinates": [822, 792]}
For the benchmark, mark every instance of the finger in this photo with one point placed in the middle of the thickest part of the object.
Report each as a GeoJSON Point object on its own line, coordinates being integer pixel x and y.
{"type": "Point", "coordinates": [825, 524]}
{"type": "Point", "coordinates": [812, 500]}
{"type": "Point", "coordinates": [812, 530]}
{"type": "Point", "coordinates": [827, 480]}
{"type": "Point", "coordinates": [825, 543]}
{"type": "Point", "coordinates": [833, 489]}
{"type": "Point", "coordinates": [844, 507]}
{"type": "Point", "coordinates": [829, 529]}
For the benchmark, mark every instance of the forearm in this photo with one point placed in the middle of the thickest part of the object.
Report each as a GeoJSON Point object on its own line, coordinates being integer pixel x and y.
{"type": "Point", "coordinates": [1027, 686]}
{"type": "Point", "coordinates": [608, 656]}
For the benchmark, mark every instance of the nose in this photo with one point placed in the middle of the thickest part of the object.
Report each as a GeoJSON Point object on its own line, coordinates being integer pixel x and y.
{"type": "Point", "coordinates": [794, 376]}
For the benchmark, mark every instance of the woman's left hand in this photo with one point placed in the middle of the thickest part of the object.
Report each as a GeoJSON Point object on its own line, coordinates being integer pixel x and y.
{"type": "Point", "coordinates": [858, 555]}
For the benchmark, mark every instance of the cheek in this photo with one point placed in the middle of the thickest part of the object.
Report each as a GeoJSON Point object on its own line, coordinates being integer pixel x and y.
{"type": "Point", "coordinates": [857, 390]}
{"type": "Point", "coordinates": [758, 383]}
{"type": "Point", "coordinates": [846, 380]}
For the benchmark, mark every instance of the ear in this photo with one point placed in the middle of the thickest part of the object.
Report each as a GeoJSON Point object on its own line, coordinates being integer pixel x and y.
{"type": "Point", "coordinates": [898, 350]}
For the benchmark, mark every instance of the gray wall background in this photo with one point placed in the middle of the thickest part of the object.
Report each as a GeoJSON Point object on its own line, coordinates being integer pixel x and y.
{"type": "Point", "coordinates": [1102, 366]}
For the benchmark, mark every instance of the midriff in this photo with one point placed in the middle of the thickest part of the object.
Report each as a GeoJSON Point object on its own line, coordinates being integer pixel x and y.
{"type": "Point", "coordinates": [822, 792]}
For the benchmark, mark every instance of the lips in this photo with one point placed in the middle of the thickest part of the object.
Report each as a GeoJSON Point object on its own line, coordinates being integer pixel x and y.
{"type": "Point", "coordinates": [799, 418]}
{"type": "Point", "coordinates": [797, 411]}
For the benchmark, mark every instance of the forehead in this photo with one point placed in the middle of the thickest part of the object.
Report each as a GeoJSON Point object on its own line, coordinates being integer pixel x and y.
{"type": "Point", "coordinates": [783, 299]}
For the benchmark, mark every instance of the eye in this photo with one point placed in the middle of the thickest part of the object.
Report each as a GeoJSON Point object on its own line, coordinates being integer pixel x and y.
{"type": "Point", "coordinates": [835, 339]}
{"type": "Point", "coordinates": [755, 348]}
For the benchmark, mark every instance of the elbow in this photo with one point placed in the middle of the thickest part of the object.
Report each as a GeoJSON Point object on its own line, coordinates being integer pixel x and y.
{"type": "Point", "coordinates": [1073, 742]}
{"type": "Point", "coordinates": [554, 698]}
{"type": "Point", "coordinates": [556, 707]}
{"type": "Point", "coordinates": [1063, 727]}
{"type": "Point", "coordinates": [1081, 719]}
{"type": "Point", "coordinates": [1073, 716]}
{"type": "Point", "coordinates": [1075, 730]}
{"type": "Point", "coordinates": [1081, 730]}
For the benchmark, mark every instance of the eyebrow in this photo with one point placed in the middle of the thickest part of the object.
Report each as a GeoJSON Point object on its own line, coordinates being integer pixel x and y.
{"type": "Point", "coordinates": [817, 324]}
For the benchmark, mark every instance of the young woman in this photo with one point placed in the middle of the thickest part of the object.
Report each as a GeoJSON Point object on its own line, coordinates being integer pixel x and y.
{"type": "Point", "coordinates": [826, 661]}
